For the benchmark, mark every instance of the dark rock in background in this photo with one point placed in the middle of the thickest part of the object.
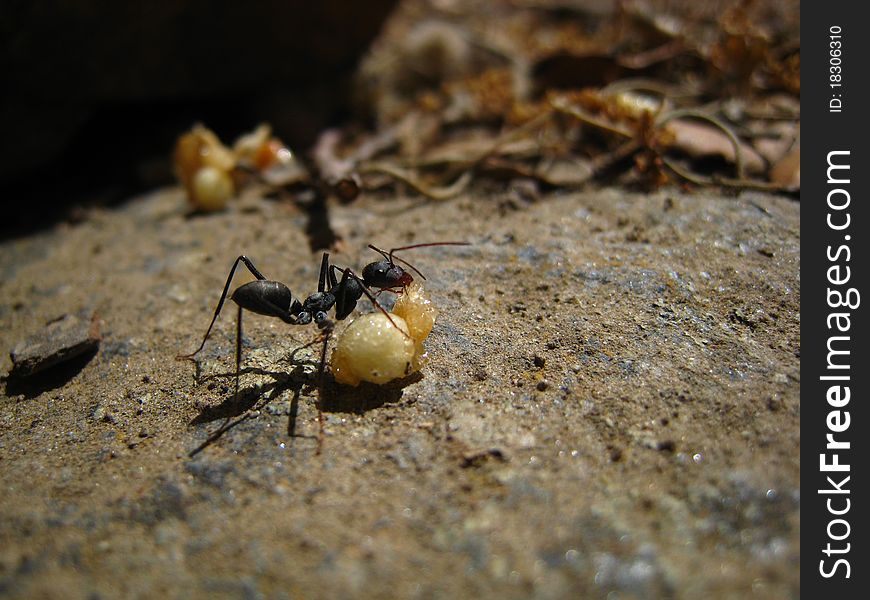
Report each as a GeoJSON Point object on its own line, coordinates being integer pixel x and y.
{"type": "Point", "coordinates": [94, 87]}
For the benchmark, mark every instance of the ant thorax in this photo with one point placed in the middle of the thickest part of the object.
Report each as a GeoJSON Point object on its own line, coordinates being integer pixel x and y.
{"type": "Point", "coordinates": [318, 302]}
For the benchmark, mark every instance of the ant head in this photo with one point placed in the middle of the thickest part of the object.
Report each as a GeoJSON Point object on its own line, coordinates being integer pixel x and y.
{"type": "Point", "coordinates": [405, 279]}
{"type": "Point", "coordinates": [384, 274]}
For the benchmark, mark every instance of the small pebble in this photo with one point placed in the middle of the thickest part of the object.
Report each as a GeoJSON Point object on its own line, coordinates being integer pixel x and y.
{"type": "Point", "coordinates": [101, 413]}
{"type": "Point", "coordinates": [59, 341]}
{"type": "Point", "coordinates": [667, 446]}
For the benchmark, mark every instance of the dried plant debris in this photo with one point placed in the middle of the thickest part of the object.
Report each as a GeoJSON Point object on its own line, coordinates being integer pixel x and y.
{"type": "Point", "coordinates": [649, 92]}
{"type": "Point", "coordinates": [60, 341]}
{"type": "Point", "coordinates": [787, 171]}
{"type": "Point", "coordinates": [461, 99]}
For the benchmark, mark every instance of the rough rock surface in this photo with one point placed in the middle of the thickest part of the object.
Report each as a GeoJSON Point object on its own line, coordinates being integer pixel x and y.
{"type": "Point", "coordinates": [611, 405]}
{"type": "Point", "coordinates": [62, 340]}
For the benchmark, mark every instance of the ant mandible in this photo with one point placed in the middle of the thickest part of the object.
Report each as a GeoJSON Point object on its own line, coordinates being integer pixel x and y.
{"type": "Point", "coordinates": [274, 299]}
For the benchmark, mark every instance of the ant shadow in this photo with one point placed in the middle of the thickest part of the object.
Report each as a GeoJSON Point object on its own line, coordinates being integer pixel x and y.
{"type": "Point", "coordinates": [246, 403]}
{"type": "Point", "coordinates": [333, 398]}
{"type": "Point", "coordinates": [340, 398]}
{"type": "Point", "coordinates": [254, 397]}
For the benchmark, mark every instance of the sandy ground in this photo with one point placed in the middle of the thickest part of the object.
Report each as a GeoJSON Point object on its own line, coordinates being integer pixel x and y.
{"type": "Point", "coordinates": [611, 408]}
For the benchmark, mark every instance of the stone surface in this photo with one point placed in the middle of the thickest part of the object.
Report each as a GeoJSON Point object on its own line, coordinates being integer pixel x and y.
{"type": "Point", "coordinates": [61, 340]}
{"type": "Point", "coordinates": [611, 407]}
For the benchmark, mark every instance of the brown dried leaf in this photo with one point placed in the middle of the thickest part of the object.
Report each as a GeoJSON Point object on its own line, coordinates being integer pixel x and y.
{"type": "Point", "coordinates": [565, 171]}
{"type": "Point", "coordinates": [787, 172]}
{"type": "Point", "coordinates": [700, 140]}
{"type": "Point", "coordinates": [775, 140]}
{"type": "Point", "coordinates": [473, 147]}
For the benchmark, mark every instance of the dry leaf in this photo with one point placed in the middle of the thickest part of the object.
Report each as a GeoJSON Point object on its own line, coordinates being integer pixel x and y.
{"type": "Point", "coordinates": [787, 172]}
{"type": "Point", "coordinates": [699, 140]}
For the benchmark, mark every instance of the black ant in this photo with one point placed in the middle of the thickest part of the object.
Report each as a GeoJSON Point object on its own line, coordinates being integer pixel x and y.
{"type": "Point", "coordinates": [274, 299]}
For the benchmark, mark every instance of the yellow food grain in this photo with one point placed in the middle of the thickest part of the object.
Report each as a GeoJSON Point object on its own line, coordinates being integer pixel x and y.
{"type": "Point", "coordinates": [415, 307]}
{"type": "Point", "coordinates": [210, 189]}
{"type": "Point", "coordinates": [373, 349]}
{"type": "Point", "coordinates": [204, 166]}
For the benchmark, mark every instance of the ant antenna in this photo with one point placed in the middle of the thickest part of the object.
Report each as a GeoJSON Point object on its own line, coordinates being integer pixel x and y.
{"type": "Point", "coordinates": [389, 256]}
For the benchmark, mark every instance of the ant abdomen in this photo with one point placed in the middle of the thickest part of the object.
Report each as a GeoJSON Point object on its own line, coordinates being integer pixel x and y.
{"type": "Point", "coordinates": [263, 297]}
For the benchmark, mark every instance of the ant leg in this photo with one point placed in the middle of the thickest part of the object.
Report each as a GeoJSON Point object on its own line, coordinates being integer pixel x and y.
{"type": "Point", "coordinates": [238, 352]}
{"type": "Point", "coordinates": [324, 269]}
{"type": "Point", "coordinates": [345, 301]}
{"type": "Point", "coordinates": [326, 327]}
{"type": "Point", "coordinates": [333, 281]}
{"type": "Point", "coordinates": [220, 304]}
